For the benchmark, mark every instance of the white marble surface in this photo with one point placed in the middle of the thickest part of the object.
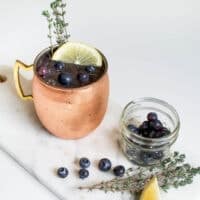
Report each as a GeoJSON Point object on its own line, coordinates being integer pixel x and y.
{"type": "Point", "coordinates": [17, 184]}
{"type": "Point", "coordinates": [25, 140]}
{"type": "Point", "coordinates": [153, 50]}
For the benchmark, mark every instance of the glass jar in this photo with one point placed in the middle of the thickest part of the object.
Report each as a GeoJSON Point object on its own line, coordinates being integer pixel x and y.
{"type": "Point", "coordinates": [147, 151]}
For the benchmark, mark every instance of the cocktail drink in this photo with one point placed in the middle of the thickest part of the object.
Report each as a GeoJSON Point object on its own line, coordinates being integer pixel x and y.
{"type": "Point", "coordinates": [67, 74]}
{"type": "Point", "coordinates": [70, 84]}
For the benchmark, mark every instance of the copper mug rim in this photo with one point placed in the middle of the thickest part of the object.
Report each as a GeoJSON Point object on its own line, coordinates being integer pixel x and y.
{"type": "Point", "coordinates": [69, 89]}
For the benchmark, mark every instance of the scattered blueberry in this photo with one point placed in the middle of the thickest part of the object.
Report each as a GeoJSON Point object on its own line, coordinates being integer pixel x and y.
{"type": "Point", "coordinates": [90, 69]}
{"type": "Point", "coordinates": [65, 79]}
{"type": "Point", "coordinates": [59, 65]}
{"type": "Point", "coordinates": [62, 172]}
{"type": "Point", "coordinates": [152, 116]}
{"type": "Point", "coordinates": [43, 71]}
{"type": "Point", "coordinates": [83, 173]}
{"type": "Point", "coordinates": [83, 77]}
{"type": "Point", "coordinates": [84, 162]}
{"type": "Point", "coordinates": [105, 164]}
{"type": "Point", "coordinates": [132, 128]}
{"type": "Point", "coordinates": [119, 170]}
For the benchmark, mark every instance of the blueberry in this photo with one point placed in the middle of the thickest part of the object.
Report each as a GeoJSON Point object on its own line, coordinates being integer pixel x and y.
{"type": "Point", "coordinates": [158, 134]}
{"type": "Point", "coordinates": [144, 126]}
{"type": "Point", "coordinates": [152, 134]}
{"type": "Point", "coordinates": [62, 172]}
{"type": "Point", "coordinates": [84, 162]}
{"type": "Point", "coordinates": [152, 116]}
{"type": "Point", "coordinates": [90, 69]}
{"type": "Point", "coordinates": [130, 152]}
{"type": "Point", "coordinates": [146, 157]}
{"type": "Point", "coordinates": [59, 65]}
{"type": "Point", "coordinates": [145, 133]}
{"type": "Point", "coordinates": [83, 173]}
{"type": "Point", "coordinates": [165, 131]}
{"type": "Point", "coordinates": [83, 77]}
{"type": "Point", "coordinates": [42, 71]}
{"type": "Point", "coordinates": [119, 170]}
{"type": "Point", "coordinates": [105, 164]}
{"type": "Point", "coordinates": [65, 79]}
{"type": "Point", "coordinates": [156, 125]}
{"type": "Point", "coordinates": [132, 128]}
{"type": "Point", "coordinates": [157, 155]}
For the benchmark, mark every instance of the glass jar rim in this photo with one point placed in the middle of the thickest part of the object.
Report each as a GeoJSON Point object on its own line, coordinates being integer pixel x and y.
{"type": "Point", "coordinates": [161, 140]}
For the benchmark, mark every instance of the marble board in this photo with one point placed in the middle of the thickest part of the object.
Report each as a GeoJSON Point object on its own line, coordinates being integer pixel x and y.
{"type": "Point", "coordinates": [24, 139]}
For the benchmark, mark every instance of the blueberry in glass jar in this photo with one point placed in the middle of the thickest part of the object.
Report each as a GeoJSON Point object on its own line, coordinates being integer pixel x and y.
{"type": "Point", "coordinates": [149, 157]}
{"type": "Point", "coordinates": [158, 127]}
{"type": "Point", "coordinates": [152, 116]}
{"type": "Point", "coordinates": [165, 131]}
{"type": "Point", "coordinates": [132, 128]}
{"type": "Point", "coordinates": [152, 128]}
{"type": "Point", "coordinates": [146, 157]}
{"type": "Point", "coordinates": [152, 134]}
{"type": "Point", "coordinates": [157, 155]}
{"type": "Point", "coordinates": [144, 126]}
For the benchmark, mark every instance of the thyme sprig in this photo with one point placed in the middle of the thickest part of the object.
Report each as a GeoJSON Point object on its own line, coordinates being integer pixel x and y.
{"type": "Point", "coordinates": [56, 22]}
{"type": "Point", "coordinates": [50, 26]}
{"type": "Point", "coordinates": [171, 172]}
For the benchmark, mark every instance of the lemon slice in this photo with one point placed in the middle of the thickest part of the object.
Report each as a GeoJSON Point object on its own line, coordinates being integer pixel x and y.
{"type": "Point", "coordinates": [78, 53]}
{"type": "Point", "coordinates": [151, 190]}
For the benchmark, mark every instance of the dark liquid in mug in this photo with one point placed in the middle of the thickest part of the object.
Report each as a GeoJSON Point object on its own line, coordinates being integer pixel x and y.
{"type": "Point", "coordinates": [47, 72]}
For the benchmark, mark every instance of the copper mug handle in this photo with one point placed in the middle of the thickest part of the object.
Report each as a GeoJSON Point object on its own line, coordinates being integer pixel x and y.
{"type": "Point", "coordinates": [16, 73]}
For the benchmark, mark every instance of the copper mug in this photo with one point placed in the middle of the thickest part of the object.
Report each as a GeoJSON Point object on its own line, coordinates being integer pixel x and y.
{"type": "Point", "coordinates": [69, 113]}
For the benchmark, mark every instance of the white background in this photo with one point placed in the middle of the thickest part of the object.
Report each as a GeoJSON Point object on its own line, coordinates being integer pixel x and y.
{"type": "Point", "coordinates": [153, 49]}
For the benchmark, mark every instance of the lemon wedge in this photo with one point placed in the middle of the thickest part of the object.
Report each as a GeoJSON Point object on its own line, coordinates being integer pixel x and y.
{"type": "Point", "coordinates": [151, 190]}
{"type": "Point", "coordinates": [78, 53]}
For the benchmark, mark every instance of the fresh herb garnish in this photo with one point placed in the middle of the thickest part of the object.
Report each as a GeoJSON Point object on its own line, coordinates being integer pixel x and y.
{"type": "Point", "coordinates": [56, 23]}
{"type": "Point", "coordinates": [171, 172]}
